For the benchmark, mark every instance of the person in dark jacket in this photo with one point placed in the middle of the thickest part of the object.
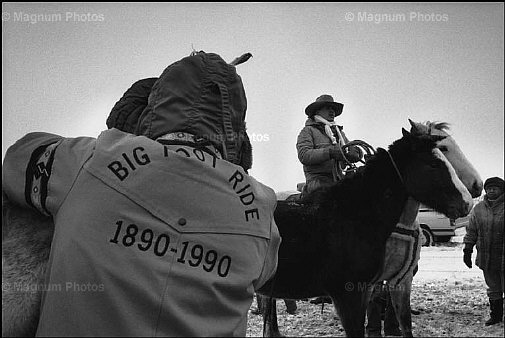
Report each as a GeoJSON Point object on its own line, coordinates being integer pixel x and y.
{"type": "Point", "coordinates": [318, 143]}
{"type": "Point", "coordinates": [319, 146]}
{"type": "Point", "coordinates": [485, 230]}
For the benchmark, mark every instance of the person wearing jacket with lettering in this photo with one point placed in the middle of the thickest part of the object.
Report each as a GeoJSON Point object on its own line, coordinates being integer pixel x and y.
{"type": "Point", "coordinates": [485, 231]}
{"type": "Point", "coordinates": [157, 233]}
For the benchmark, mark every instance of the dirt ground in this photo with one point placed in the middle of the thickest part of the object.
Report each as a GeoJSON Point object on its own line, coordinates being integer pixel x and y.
{"type": "Point", "coordinates": [451, 298]}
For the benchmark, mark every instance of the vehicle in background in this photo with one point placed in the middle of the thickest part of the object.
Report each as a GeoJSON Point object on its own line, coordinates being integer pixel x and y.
{"type": "Point", "coordinates": [436, 227]}
{"type": "Point", "coordinates": [287, 195]}
{"type": "Point", "coordinates": [290, 195]}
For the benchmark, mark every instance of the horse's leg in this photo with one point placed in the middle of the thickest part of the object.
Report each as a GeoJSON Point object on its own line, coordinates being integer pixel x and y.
{"type": "Point", "coordinates": [351, 307]}
{"type": "Point", "coordinates": [270, 326]}
{"type": "Point", "coordinates": [400, 299]}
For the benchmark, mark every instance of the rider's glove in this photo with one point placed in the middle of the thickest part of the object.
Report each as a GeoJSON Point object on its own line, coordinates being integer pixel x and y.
{"type": "Point", "coordinates": [354, 155]}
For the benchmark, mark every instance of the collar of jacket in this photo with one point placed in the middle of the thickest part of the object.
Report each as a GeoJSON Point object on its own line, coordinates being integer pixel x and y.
{"type": "Point", "coordinates": [311, 123]}
{"type": "Point", "coordinates": [497, 201]}
{"type": "Point", "coordinates": [182, 138]}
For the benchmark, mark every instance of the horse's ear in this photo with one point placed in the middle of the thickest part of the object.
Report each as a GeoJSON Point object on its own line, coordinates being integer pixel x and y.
{"type": "Point", "coordinates": [414, 128]}
{"type": "Point", "coordinates": [405, 132]}
{"type": "Point", "coordinates": [417, 128]}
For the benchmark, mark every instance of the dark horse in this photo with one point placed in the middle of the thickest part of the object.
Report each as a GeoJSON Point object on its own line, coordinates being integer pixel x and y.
{"type": "Point", "coordinates": [333, 243]}
{"type": "Point", "coordinates": [403, 247]}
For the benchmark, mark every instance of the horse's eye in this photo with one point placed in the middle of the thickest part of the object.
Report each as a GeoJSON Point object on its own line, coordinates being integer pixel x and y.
{"type": "Point", "coordinates": [443, 148]}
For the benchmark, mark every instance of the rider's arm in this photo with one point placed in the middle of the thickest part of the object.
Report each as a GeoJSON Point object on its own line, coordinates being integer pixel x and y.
{"type": "Point", "coordinates": [308, 154]}
{"type": "Point", "coordinates": [39, 169]}
{"type": "Point", "coordinates": [354, 153]}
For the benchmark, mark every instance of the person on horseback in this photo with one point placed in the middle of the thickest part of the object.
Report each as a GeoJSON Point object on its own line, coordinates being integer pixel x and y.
{"type": "Point", "coordinates": [160, 232]}
{"type": "Point", "coordinates": [485, 229]}
{"type": "Point", "coordinates": [318, 144]}
{"type": "Point", "coordinates": [318, 149]}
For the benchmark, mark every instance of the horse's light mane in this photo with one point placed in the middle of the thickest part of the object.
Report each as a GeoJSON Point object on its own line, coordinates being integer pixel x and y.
{"type": "Point", "coordinates": [442, 126]}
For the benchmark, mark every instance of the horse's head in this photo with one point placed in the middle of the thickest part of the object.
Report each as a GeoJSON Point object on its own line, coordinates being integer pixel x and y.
{"type": "Point", "coordinates": [429, 177]}
{"type": "Point", "coordinates": [464, 169]}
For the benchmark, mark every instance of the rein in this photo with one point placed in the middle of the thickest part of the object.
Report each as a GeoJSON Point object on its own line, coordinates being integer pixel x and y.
{"type": "Point", "coordinates": [396, 168]}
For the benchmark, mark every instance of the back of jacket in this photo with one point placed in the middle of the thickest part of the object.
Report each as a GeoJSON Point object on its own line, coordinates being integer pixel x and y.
{"type": "Point", "coordinates": [150, 239]}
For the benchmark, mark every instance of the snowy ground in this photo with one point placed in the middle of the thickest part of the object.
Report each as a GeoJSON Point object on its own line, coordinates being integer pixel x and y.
{"type": "Point", "coordinates": [451, 298]}
{"type": "Point", "coordinates": [445, 261]}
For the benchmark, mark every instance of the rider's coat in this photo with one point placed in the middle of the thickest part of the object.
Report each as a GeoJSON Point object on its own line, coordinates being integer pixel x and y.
{"type": "Point", "coordinates": [313, 147]}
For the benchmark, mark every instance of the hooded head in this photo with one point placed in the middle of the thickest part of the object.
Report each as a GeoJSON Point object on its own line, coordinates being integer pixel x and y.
{"type": "Point", "coordinates": [204, 96]}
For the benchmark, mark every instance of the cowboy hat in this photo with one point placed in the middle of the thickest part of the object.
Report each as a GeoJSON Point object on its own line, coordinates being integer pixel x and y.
{"type": "Point", "coordinates": [322, 101]}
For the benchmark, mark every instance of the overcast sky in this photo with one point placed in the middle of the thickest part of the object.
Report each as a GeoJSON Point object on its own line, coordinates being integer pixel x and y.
{"type": "Point", "coordinates": [65, 65]}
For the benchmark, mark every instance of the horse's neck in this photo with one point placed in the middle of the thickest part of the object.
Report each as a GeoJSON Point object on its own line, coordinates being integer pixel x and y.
{"type": "Point", "coordinates": [398, 207]}
{"type": "Point", "coordinates": [409, 212]}
{"type": "Point", "coordinates": [378, 186]}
